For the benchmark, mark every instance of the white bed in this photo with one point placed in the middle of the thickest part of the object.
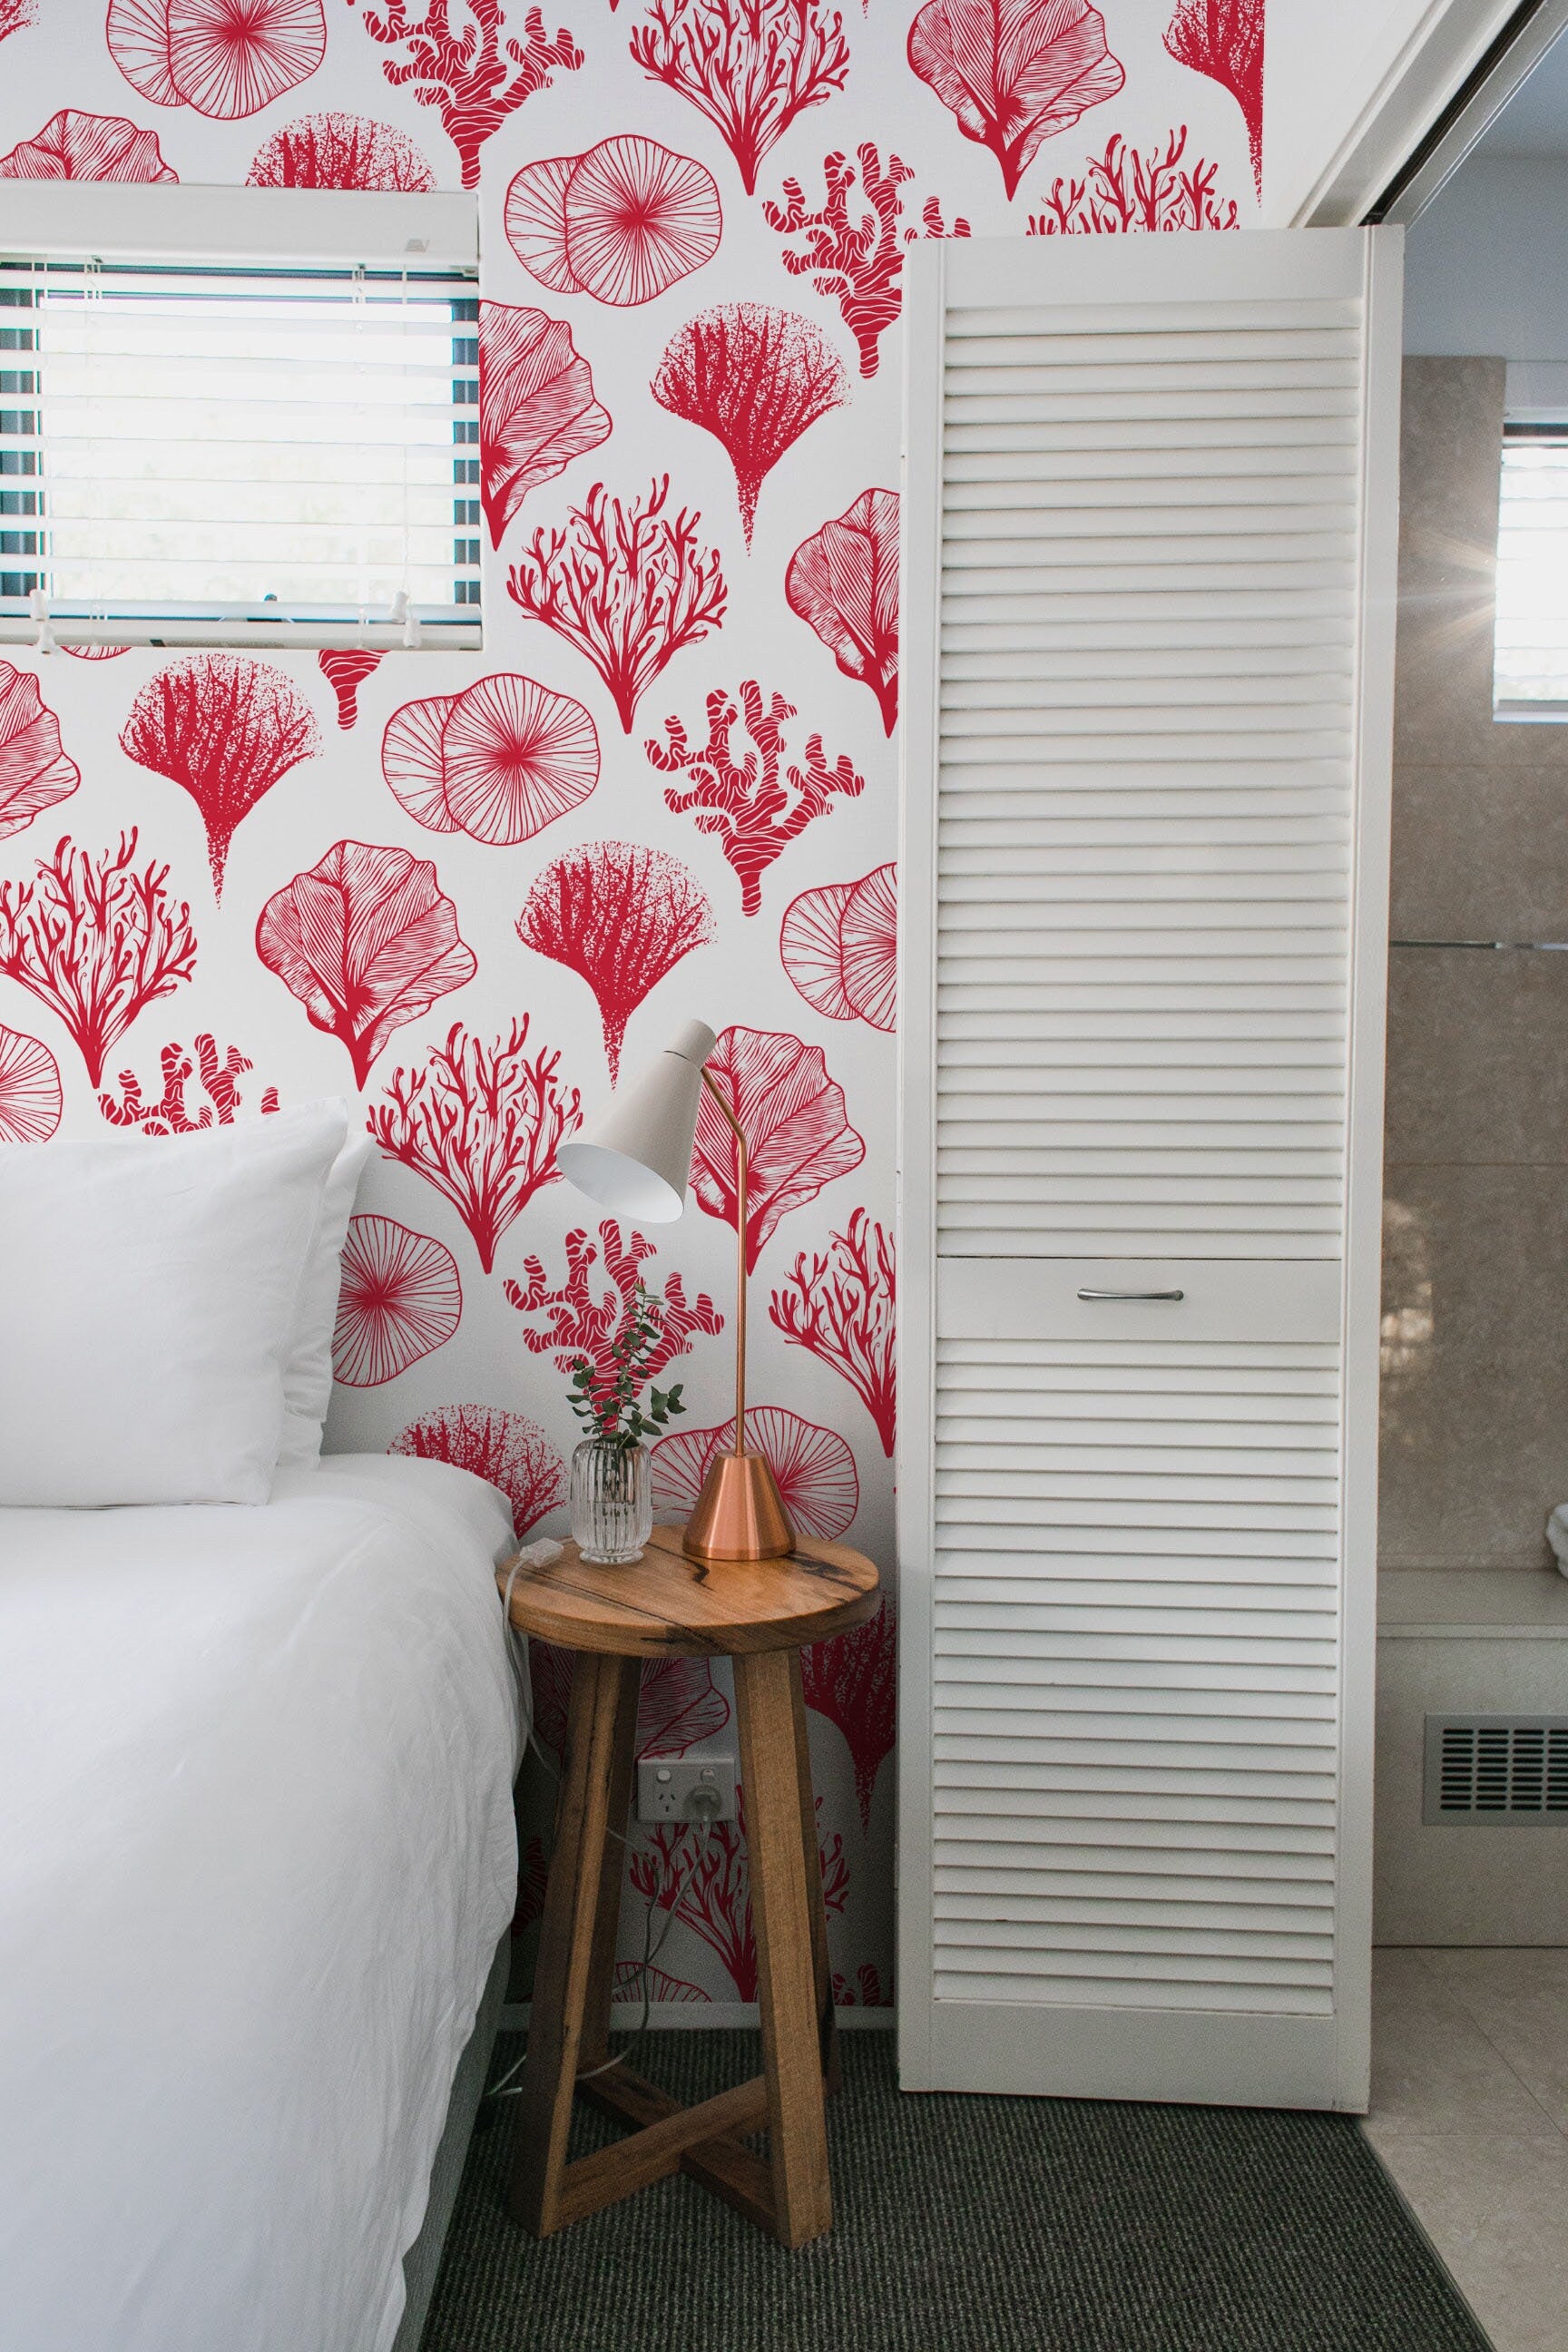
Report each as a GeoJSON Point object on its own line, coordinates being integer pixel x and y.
{"type": "Point", "coordinates": [256, 1853]}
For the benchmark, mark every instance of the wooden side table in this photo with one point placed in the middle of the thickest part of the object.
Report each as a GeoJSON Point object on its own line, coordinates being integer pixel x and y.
{"type": "Point", "coordinates": [666, 1605]}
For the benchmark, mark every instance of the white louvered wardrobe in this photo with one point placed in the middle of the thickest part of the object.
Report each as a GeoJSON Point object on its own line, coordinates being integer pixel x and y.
{"type": "Point", "coordinates": [1150, 521]}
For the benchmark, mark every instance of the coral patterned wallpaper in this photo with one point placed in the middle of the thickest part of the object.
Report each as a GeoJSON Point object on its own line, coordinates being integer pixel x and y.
{"type": "Point", "coordinates": [467, 888]}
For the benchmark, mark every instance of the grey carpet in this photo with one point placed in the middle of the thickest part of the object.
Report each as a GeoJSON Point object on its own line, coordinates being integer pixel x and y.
{"type": "Point", "coordinates": [968, 2225]}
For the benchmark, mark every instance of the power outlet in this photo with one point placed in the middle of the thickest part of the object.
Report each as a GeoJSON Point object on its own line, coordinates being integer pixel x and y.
{"type": "Point", "coordinates": [664, 1784]}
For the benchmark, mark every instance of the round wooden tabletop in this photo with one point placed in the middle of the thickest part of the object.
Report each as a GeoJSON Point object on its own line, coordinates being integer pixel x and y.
{"type": "Point", "coordinates": [664, 1605]}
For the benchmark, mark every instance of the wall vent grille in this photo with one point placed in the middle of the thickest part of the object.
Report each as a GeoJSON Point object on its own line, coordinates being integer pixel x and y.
{"type": "Point", "coordinates": [1496, 1767]}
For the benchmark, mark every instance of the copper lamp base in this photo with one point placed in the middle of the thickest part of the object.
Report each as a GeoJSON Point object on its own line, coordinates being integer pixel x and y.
{"type": "Point", "coordinates": [740, 1513]}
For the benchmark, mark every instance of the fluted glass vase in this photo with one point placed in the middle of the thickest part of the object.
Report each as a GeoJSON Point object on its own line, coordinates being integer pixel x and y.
{"type": "Point", "coordinates": [611, 1501]}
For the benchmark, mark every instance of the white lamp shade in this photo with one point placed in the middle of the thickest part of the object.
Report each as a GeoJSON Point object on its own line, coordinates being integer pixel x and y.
{"type": "Point", "coordinates": [634, 1155]}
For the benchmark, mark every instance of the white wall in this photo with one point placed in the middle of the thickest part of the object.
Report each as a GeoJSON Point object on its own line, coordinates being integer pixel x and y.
{"type": "Point", "coordinates": [1486, 264]}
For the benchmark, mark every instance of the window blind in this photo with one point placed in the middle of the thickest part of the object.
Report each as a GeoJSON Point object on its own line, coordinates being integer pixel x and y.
{"type": "Point", "coordinates": [1530, 677]}
{"type": "Point", "coordinates": [200, 453]}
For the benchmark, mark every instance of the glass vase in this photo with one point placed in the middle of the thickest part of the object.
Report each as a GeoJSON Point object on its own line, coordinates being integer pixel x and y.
{"type": "Point", "coordinates": [611, 1501]}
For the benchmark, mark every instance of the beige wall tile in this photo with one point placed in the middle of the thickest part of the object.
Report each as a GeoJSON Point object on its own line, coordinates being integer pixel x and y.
{"type": "Point", "coordinates": [1450, 457]}
{"type": "Point", "coordinates": [1477, 1058]}
{"type": "Point", "coordinates": [1481, 852]}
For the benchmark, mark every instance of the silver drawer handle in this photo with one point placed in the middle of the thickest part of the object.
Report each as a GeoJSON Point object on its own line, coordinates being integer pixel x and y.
{"type": "Point", "coordinates": [1139, 1297]}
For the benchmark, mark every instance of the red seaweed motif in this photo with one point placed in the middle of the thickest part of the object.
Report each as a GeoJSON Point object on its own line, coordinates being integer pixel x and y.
{"type": "Point", "coordinates": [794, 1121]}
{"type": "Point", "coordinates": [755, 378]}
{"type": "Point", "coordinates": [537, 409]}
{"type": "Point", "coordinates": [580, 1325]}
{"type": "Point", "coordinates": [341, 151]}
{"type": "Point", "coordinates": [171, 1115]}
{"type": "Point", "coordinates": [503, 1448]}
{"type": "Point", "coordinates": [628, 586]}
{"type": "Point", "coordinates": [843, 583]}
{"type": "Point", "coordinates": [14, 14]}
{"type": "Point", "coordinates": [857, 262]}
{"type": "Point", "coordinates": [865, 1992]}
{"type": "Point", "coordinates": [713, 1895]}
{"type": "Point", "coordinates": [839, 944]}
{"type": "Point", "coordinates": [1223, 39]}
{"type": "Point", "coordinates": [345, 668]}
{"type": "Point", "coordinates": [814, 1466]}
{"type": "Point", "coordinates": [622, 916]}
{"type": "Point", "coordinates": [678, 1704]}
{"type": "Point", "coordinates": [96, 941]}
{"type": "Point", "coordinates": [1126, 190]}
{"type": "Point", "coordinates": [840, 1308]}
{"type": "Point", "coordinates": [622, 223]}
{"type": "Point", "coordinates": [854, 1682]}
{"type": "Point", "coordinates": [749, 67]}
{"type": "Point", "coordinates": [34, 771]}
{"type": "Point", "coordinates": [223, 57]}
{"type": "Point", "coordinates": [474, 77]}
{"type": "Point", "coordinates": [500, 761]}
{"type": "Point", "coordinates": [400, 1299]}
{"type": "Point", "coordinates": [76, 146]}
{"type": "Point", "coordinates": [755, 813]}
{"type": "Point", "coordinates": [224, 728]}
{"type": "Point", "coordinates": [481, 1124]}
{"type": "Point", "coordinates": [662, 1985]}
{"type": "Point", "coordinates": [366, 939]}
{"type": "Point", "coordinates": [31, 1100]}
{"type": "Point", "coordinates": [1013, 72]}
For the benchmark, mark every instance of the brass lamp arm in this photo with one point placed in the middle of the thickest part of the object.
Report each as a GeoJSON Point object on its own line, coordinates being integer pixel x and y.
{"type": "Point", "coordinates": [741, 1169]}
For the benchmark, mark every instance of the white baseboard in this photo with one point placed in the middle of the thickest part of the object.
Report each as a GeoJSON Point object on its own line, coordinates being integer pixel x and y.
{"type": "Point", "coordinates": [683, 2016]}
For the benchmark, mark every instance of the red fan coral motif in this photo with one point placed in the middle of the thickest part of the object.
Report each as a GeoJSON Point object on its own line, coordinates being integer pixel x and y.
{"type": "Point", "coordinates": [859, 262]}
{"type": "Point", "coordinates": [474, 77]}
{"type": "Point", "coordinates": [341, 151]}
{"type": "Point", "coordinates": [14, 14]}
{"type": "Point", "coordinates": [94, 653]}
{"type": "Point", "coordinates": [34, 771]}
{"type": "Point", "coordinates": [814, 1466]}
{"type": "Point", "coordinates": [751, 66]}
{"type": "Point", "coordinates": [629, 1976]}
{"type": "Point", "coordinates": [854, 1682]}
{"type": "Point", "coordinates": [678, 1704]}
{"type": "Point", "coordinates": [622, 917]}
{"type": "Point", "coordinates": [795, 1122]}
{"type": "Point", "coordinates": [622, 223]}
{"type": "Point", "coordinates": [537, 409]}
{"type": "Point", "coordinates": [171, 1115]}
{"type": "Point", "coordinates": [1224, 40]}
{"type": "Point", "coordinates": [96, 941]}
{"type": "Point", "coordinates": [500, 761]}
{"type": "Point", "coordinates": [843, 583]}
{"type": "Point", "coordinates": [743, 801]}
{"type": "Point", "coordinates": [839, 945]}
{"type": "Point", "coordinates": [503, 1448]}
{"type": "Point", "coordinates": [74, 146]}
{"type": "Point", "coordinates": [224, 58]}
{"type": "Point", "coordinates": [1125, 190]}
{"type": "Point", "coordinates": [481, 1124]}
{"type": "Point", "coordinates": [30, 1096]}
{"type": "Point", "coordinates": [578, 1324]}
{"type": "Point", "coordinates": [227, 728]}
{"type": "Point", "coordinates": [865, 1992]}
{"type": "Point", "coordinates": [366, 939]}
{"type": "Point", "coordinates": [345, 670]}
{"type": "Point", "coordinates": [755, 378]}
{"type": "Point", "coordinates": [1014, 71]}
{"type": "Point", "coordinates": [400, 1299]}
{"type": "Point", "coordinates": [840, 1308]}
{"type": "Point", "coordinates": [628, 586]}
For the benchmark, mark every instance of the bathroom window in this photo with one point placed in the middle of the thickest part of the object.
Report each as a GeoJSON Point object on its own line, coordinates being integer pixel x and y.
{"type": "Point", "coordinates": [1530, 673]}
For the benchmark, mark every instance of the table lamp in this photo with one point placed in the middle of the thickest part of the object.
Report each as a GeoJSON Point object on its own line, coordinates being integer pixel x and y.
{"type": "Point", "coordinates": [634, 1158]}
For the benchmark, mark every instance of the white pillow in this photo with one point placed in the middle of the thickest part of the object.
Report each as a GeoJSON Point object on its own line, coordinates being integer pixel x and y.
{"type": "Point", "coordinates": [308, 1374]}
{"type": "Point", "coordinates": [148, 1298]}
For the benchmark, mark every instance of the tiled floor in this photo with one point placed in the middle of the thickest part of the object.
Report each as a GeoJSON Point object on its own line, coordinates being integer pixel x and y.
{"type": "Point", "coordinates": [1470, 2113]}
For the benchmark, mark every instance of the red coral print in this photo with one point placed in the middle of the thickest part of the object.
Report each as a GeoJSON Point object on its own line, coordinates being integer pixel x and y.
{"type": "Point", "coordinates": [171, 1115]}
{"type": "Point", "coordinates": [1125, 190]}
{"type": "Point", "coordinates": [751, 66]}
{"type": "Point", "coordinates": [94, 653]}
{"type": "Point", "coordinates": [743, 801]}
{"type": "Point", "coordinates": [678, 1704]}
{"type": "Point", "coordinates": [73, 146]}
{"type": "Point", "coordinates": [341, 151]}
{"type": "Point", "coordinates": [366, 941]}
{"type": "Point", "coordinates": [345, 670]}
{"type": "Point", "coordinates": [34, 771]}
{"type": "Point", "coordinates": [662, 1986]}
{"type": "Point", "coordinates": [535, 221]}
{"type": "Point", "coordinates": [755, 378]}
{"type": "Point", "coordinates": [30, 1096]}
{"type": "Point", "coordinates": [537, 409]}
{"type": "Point", "coordinates": [1224, 40]}
{"type": "Point", "coordinates": [224, 58]}
{"type": "Point", "coordinates": [550, 1685]}
{"type": "Point", "coordinates": [814, 1466]}
{"type": "Point", "coordinates": [628, 586]}
{"type": "Point", "coordinates": [500, 761]}
{"type": "Point", "coordinates": [840, 1308]}
{"type": "Point", "coordinates": [856, 262]}
{"type": "Point", "coordinates": [843, 583]}
{"type": "Point", "coordinates": [839, 946]}
{"type": "Point", "coordinates": [712, 1895]}
{"type": "Point", "coordinates": [225, 729]}
{"type": "Point", "coordinates": [580, 1326]}
{"type": "Point", "coordinates": [96, 941]}
{"type": "Point", "coordinates": [1013, 72]}
{"type": "Point", "coordinates": [14, 14]}
{"type": "Point", "coordinates": [412, 763]}
{"type": "Point", "coordinates": [481, 1124]}
{"type": "Point", "coordinates": [503, 1448]}
{"type": "Point", "coordinates": [532, 1879]}
{"type": "Point", "coordinates": [854, 1682]}
{"type": "Point", "coordinates": [473, 78]}
{"type": "Point", "coordinates": [795, 1122]}
{"type": "Point", "coordinates": [400, 1299]}
{"type": "Point", "coordinates": [865, 1992]}
{"type": "Point", "coordinates": [622, 223]}
{"type": "Point", "coordinates": [622, 917]}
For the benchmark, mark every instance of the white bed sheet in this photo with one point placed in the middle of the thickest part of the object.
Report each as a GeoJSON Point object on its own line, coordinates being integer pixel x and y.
{"type": "Point", "coordinates": [255, 1852]}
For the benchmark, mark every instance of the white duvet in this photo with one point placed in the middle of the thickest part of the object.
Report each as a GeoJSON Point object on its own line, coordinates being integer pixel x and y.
{"type": "Point", "coordinates": [256, 1853]}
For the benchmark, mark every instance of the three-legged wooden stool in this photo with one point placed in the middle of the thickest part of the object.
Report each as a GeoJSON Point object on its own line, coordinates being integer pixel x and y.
{"type": "Point", "coordinates": [759, 1615]}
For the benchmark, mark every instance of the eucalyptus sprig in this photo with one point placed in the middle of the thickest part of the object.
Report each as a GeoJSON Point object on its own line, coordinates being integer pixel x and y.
{"type": "Point", "coordinates": [611, 1405]}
